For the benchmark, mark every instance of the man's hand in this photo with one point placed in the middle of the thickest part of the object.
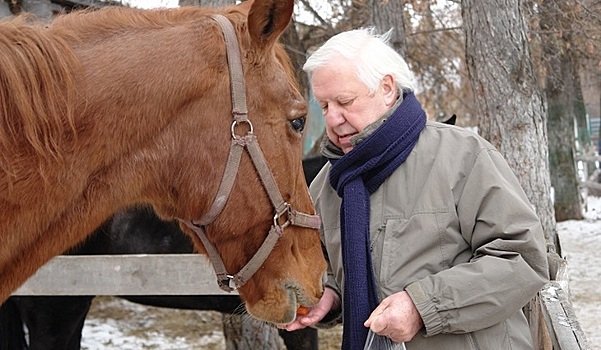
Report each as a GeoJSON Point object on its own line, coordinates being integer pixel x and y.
{"type": "Point", "coordinates": [329, 300]}
{"type": "Point", "coordinates": [396, 318]}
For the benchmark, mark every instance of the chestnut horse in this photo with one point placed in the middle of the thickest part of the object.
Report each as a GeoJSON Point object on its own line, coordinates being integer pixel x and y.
{"type": "Point", "coordinates": [101, 110]}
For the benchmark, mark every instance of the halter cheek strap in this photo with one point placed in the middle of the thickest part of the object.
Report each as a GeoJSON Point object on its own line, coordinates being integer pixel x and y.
{"type": "Point", "coordinates": [283, 210]}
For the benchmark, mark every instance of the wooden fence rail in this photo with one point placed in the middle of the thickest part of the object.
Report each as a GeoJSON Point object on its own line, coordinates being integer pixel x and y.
{"type": "Point", "coordinates": [553, 321]}
{"type": "Point", "coordinates": [135, 274]}
{"type": "Point", "coordinates": [588, 158]}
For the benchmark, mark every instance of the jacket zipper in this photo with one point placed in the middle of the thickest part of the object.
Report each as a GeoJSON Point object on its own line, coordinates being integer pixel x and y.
{"type": "Point", "coordinates": [472, 341]}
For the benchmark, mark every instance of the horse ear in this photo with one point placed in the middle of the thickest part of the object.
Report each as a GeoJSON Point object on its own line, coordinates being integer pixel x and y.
{"type": "Point", "coordinates": [268, 19]}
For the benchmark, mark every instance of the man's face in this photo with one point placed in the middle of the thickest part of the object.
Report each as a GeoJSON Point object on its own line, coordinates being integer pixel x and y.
{"type": "Point", "coordinates": [347, 103]}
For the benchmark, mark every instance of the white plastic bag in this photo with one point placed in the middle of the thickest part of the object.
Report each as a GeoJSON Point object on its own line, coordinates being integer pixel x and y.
{"type": "Point", "coordinates": [379, 342]}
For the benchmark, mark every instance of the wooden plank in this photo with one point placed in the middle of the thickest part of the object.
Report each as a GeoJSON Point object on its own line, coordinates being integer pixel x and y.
{"type": "Point", "coordinates": [560, 319]}
{"type": "Point", "coordinates": [538, 328]}
{"type": "Point", "coordinates": [588, 158]}
{"type": "Point", "coordinates": [145, 274]}
{"type": "Point", "coordinates": [591, 184]}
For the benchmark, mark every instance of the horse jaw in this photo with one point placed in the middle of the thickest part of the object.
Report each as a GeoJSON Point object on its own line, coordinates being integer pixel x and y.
{"type": "Point", "coordinates": [274, 296]}
{"type": "Point", "coordinates": [283, 312]}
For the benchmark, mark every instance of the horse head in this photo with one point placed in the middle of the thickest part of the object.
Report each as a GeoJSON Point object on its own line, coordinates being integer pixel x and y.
{"type": "Point", "coordinates": [148, 119]}
{"type": "Point", "coordinates": [235, 222]}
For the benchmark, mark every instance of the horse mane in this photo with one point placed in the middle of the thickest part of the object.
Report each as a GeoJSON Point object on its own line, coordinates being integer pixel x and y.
{"type": "Point", "coordinates": [41, 75]}
{"type": "Point", "coordinates": [94, 24]}
{"type": "Point", "coordinates": [37, 89]}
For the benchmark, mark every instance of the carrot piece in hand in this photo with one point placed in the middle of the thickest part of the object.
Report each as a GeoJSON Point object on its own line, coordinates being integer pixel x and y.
{"type": "Point", "coordinates": [302, 310]}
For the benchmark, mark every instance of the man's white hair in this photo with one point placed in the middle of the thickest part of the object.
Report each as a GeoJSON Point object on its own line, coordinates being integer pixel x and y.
{"type": "Point", "coordinates": [371, 54]}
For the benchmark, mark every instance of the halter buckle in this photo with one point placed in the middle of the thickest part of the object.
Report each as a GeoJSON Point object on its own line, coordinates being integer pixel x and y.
{"type": "Point", "coordinates": [228, 284]}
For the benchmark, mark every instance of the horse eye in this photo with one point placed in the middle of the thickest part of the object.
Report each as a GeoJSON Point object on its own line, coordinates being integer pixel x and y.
{"type": "Point", "coordinates": [298, 124]}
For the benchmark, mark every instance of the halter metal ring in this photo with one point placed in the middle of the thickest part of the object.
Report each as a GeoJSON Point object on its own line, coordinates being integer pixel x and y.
{"type": "Point", "coordinates": [237, 122]}
{"type": "Point", "coordinates": [276, 218]}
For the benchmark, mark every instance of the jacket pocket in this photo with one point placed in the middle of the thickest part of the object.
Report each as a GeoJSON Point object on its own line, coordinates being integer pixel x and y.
{"type": "Point", "coordinates": [421, 245]}
{"type": "Point", "coordinates": [410, 250]}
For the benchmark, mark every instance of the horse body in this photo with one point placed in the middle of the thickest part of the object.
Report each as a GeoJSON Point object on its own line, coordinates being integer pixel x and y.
{"type": "Point", "coordinates": [56, 322]}
{"type": "Point", "coordinates": [106, 109]}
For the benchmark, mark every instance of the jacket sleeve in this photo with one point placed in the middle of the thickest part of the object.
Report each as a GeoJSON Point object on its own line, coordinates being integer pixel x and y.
{"type": "Point", "coordinates": [508, 265]}
{"type": "Point", "coordinates": [334, 316]}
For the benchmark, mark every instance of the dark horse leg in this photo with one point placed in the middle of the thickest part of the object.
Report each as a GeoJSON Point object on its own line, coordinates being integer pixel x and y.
{"type": "Point", "coordinates": [52, 322]}
{"type": "Point", "coordinates": [12, 336]}
{"type": "Point", "coordinates": [301, 339]}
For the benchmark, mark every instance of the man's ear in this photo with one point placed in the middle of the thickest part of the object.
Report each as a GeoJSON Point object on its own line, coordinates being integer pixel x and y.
{"type": "Point", "coordinates": [389, 90]}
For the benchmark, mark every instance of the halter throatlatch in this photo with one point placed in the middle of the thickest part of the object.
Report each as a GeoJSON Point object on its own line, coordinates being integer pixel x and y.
{"type": "Point", "coordinates": [283, 210]}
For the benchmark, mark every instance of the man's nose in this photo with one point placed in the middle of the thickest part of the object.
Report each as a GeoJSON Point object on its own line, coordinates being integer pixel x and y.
{"type": "Point", "coordinates": [334, 116]}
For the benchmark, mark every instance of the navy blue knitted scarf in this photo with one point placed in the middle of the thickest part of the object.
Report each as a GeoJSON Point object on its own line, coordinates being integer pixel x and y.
{"type": "Point", "coordinates": [355, 177]}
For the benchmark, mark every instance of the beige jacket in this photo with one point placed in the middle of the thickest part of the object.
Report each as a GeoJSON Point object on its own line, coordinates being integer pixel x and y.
{"type": "Point", "coordinates": [453, 228]}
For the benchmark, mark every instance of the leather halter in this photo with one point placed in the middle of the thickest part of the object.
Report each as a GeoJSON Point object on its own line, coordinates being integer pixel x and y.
{"type": "Point", "coordinates": [227, 281]}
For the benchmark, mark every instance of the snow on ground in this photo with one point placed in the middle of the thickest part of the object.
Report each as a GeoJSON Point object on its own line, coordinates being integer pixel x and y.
{"type": "Point", "coordinates": [581, 247]}
{"type": "Point", "coordinates": [116, 324]}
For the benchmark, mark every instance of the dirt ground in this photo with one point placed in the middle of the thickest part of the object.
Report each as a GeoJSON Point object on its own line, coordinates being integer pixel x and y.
{"type": "Point", "coordinates": [117, 324]}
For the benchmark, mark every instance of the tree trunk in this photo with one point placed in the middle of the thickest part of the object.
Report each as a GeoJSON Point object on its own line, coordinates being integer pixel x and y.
{"type": "Point", "coordinates": [560, 88]}
{"type": "Point", "coordinates": [386, 15]}
{"type": "Point", "coordinates": [510, 103]}
{"type": "Point", "coordinates": [577, 104]}
{"type": "Point", "coordinates": [242, 333]}
{"type": "Point", "coordinates": [564, 178]}
{"type": "Point", "coordinates": [599, 116]}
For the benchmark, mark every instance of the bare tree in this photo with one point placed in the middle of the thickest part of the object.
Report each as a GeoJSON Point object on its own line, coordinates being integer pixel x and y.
{"type": "Point", "coordinates": [388, 15]}
{"type": "Point", "coordinates": [436, 53]}
{"type": "Point", "coordinates": [512, 111]}
{"type": "Point", "coordinates": [242, 332]}
{"type": "Point", "coordinates": [561, 88]}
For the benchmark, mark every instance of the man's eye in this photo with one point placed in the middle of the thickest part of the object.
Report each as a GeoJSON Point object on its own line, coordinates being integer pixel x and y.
{"type": "Point", "coordinates": [298, 124]}
{"type": "Point", "coordinates": [346, 102]}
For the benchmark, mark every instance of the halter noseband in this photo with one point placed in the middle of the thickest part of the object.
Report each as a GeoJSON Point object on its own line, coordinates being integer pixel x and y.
{"type": "Point", "coordinates": [226, 281]}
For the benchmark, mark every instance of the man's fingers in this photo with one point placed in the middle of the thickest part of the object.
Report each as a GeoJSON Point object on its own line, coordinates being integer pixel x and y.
{"type": "Point", "coordinates": [378, 311]}
{"type": "Point", "coordinates": [378, 324]}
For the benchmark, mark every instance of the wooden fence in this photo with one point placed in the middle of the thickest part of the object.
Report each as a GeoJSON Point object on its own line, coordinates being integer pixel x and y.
{"type": "Point", "coordinates": [553, 322]}
{"type": "Point", "coordinates": [552, 319]}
